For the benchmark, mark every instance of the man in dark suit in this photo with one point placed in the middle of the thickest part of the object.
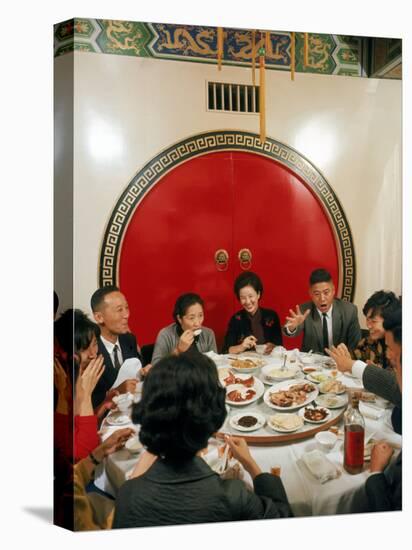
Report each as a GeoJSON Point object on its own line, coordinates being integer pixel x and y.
{"type": "Point", "coordinates": [383, 488]}
{"type": "Point", "coordinates": [325, 320]}
{"type": "Point", "coordinates": [116, 343]}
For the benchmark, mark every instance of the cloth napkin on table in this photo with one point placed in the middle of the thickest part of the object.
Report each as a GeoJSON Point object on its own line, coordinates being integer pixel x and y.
{"type": "Point", "coordinates": [319, 466]}
{"type": "Point", "coordinates": [370, 411]}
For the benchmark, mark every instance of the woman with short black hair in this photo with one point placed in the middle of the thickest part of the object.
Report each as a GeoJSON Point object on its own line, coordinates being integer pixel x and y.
{"type": "Point", "coordinates": [252, 325]}
{"type": "Point", "coordinates": [182, 405]}
{"type": "Point", "coordinates": [187, 332]}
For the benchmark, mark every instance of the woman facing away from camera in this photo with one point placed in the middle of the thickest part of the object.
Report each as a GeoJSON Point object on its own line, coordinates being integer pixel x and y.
{"type": "Point", "coordinates": [182, 405]}
{"type": "Point", "coordinates": [252, 324]}
{"type": "Point", "coordinates": [187, 332]}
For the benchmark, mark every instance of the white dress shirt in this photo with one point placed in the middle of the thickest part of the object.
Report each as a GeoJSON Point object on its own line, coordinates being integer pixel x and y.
{"type": "Point", "coordinates": [110, 349]}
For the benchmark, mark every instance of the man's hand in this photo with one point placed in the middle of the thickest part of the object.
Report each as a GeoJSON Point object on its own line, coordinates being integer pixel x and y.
{"type": "Point", "coordinates": [341, 356]}
{"type": "Point", "coordinates": [127, 386]}
{"type": "Point", "coordinates": [380, 456]}
{"type": "Point", "coordinates": [114, 442]}
{"type": "Point", "coordinates": [145, 370]}
{"type": "Point", "coordinates": [296, 318]}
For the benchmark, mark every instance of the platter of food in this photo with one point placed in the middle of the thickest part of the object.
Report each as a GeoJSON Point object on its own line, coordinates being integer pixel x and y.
{"type": "Point", "coordinates": [247, 421]}
{"type": "Point", "coordinates": [228, 378]}
{"type": "Point", "coordinates": [291, 395]}
{"type": "Point", "coordinates": [276, 374]}
{"type": "Point", "coordinates": [285, 423]}
{"type": "Point", "coordinates": [332, 386]}
{"type": "Point", "coordinates": [331, 400]}
{"type": "Point", "coordinates": [318, 377]}
{"type": "Point", "coordinates": [246, 364]}
{"type": "Point", "coordinates": [239, 394]}
{"type": "Point", "coordinates": [315, 415]}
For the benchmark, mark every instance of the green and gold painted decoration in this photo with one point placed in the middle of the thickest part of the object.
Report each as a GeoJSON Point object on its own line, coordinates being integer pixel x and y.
{"type": "Point", "coordinates": [314, 53]}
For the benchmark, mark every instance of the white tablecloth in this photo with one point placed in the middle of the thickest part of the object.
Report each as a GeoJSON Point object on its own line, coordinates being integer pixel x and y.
{"type": "Point", "coordinates": [307, 496]}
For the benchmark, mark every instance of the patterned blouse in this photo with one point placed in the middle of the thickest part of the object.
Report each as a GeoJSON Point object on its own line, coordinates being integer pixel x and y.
{"type": "Point", "coordinates": [373, 351]}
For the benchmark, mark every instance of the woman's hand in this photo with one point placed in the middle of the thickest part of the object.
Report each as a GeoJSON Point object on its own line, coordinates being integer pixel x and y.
{"type": "Point", "coordinates": [341, 356]}
{"type": "Point", "coordinates": [296, 318]}
{"type": "Point", "coordinates": [185, 341]}
{"type": "Point", "coordinates": [85, 384]}
{"type": "Point", "coordinates": [145, 462]}
{"type": "Point", "coordinates": [240, 450]}
{"type": "Point", "coordinates": [63, 387]}
{"type": "Point", "coordinates": [269, 347]}
{"type": "Point", "coordinates": [249, 342]}
{"type": "Point", "coordinates": [380, 456]}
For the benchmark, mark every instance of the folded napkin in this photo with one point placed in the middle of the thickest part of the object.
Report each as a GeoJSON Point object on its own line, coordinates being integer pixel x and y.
{"type": "Point", "coordinates": [370, 411]}
{"type": "Point", "coordinates": [319, 466]}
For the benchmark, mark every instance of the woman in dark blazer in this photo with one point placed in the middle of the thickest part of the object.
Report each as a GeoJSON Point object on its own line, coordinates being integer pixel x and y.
{"type": "Point", "coordinates": [182, 405]}
{"type": "Point", "coordinates": [253, 324]}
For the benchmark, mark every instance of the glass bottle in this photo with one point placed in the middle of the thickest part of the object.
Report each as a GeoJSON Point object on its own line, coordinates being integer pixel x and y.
{"type": "Point", "coordinates": [354, 437]}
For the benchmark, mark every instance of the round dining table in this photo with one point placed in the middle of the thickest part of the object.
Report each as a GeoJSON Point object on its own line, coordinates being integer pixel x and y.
{"type": "Point", "coordinates": [308, 496]}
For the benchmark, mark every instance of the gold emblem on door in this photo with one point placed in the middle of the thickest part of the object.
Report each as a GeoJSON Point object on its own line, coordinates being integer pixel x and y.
{"type": "Point", "coordinates": [245, 258]}
{"type": "Point", "coordinates": [221, 259]}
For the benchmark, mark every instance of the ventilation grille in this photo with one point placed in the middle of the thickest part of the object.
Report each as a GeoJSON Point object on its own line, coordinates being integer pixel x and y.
{"type": "Point", "coordinates": [232, 98]}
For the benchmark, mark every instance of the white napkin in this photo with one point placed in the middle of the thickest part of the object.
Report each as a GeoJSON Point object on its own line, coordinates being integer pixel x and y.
{"type": "Point", "coordinates": [128, 371]}
{"type": "Point", "coordinates": [370, 411]}
{"type": "Point", "coordinates": [319, 466]}
{"type": "Point", "coordinates": [233, 470]}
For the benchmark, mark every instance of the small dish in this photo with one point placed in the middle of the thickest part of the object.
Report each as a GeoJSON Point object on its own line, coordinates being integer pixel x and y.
{"type": "Point", "coordinates": [285, 423]}
{"type": "Point", "coordinates": [306, 411]}
{"type": "Point", "coordinates": [249, 416]}
{"type": "Point", "coordinates": [331, 400]}
{"type": "Point", "coordinates": [326, 440]}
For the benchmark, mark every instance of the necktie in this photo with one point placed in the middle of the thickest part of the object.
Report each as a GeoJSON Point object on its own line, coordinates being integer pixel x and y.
{"type": "Point", "coordinates": [116, 357]}
{"type": "Point", "coordinates": [325, 331]}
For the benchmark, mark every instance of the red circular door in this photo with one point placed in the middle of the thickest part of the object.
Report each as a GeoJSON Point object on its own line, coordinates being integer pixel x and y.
{"type": "Point", "coordinates": [229, 200]}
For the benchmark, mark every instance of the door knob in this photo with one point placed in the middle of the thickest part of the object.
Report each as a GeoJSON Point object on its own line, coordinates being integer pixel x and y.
{"type": "Point", "coordinates": [245, 258]}
{"type": "Point", "coordinates": [221, 259]}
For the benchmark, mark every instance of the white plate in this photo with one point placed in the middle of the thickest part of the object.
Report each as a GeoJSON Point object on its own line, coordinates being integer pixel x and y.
{"type": "Point", "coordinates": [258, 388]}
{"type": "Point", "coordinates": [284, 430]}
{"type": "Point", "coordinates": [331, 391]}
{"type": "Point", "coordinates": [308, 369]}
{"type": "Point", "coordinates": [313, 377]}
{"type": "Point", "coordinates": [285, 386]}
{"type": "Point", "coordinates": [117, 420]}
{"type": "Point", "coordinates": [260, 364]}
{"type": "Point", "coordinates": [224, 373]}
{"type": "Point", "coordinates": [324, 400]}
{"type": "Point", "coordinates": [302, 414]}
{"type": "Point", "coordinates": [270, 371]}
{"type": "Point", "coordinates": [261, 420]}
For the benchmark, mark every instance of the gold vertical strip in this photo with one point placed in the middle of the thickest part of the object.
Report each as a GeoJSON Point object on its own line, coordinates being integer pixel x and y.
{"type": "Point", "coordinates": [267, 42]}
{"type": "Point", "coordinates": [219, 47]}
{"type": "Point", "coordinates": [292, 56]}
{"type": "Point", "coordinates": [306, 50]}
{"type": "Point", "coordinates": [262, 98]}
{"type": "Point", "coordinates": [254, 58]}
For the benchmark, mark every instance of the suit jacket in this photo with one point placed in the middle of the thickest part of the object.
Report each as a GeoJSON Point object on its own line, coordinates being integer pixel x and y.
{"type": "Point", "coordinates": [383, 383]}
{"type": "Point", "coordinates": [240, 327]}
{"type": "Point", "coordinates": [345, 326]}
{"type": "Point", "coordinates": [191, 492]}
{"type": "Point", "coordinates": [384, 491]}
{"type": "Point", "coordinates": [128, 346]}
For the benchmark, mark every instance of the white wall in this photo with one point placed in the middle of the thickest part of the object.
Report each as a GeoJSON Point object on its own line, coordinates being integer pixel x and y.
{"type": "Point", "coordinates": [128, 109]}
